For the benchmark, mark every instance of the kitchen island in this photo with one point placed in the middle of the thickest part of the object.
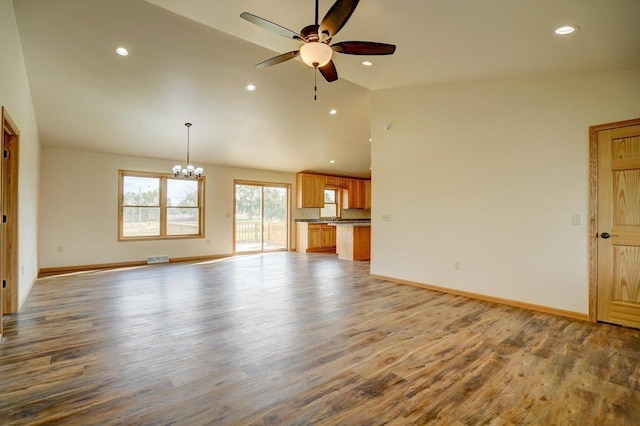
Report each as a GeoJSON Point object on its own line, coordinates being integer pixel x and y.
{"type": "Point", "coordinates": [353, 240]}
{"type": "Point", "coordinates": [350, 239]}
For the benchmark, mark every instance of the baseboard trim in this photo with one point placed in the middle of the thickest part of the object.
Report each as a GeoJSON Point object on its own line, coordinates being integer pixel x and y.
{"type": "Point", "coordinates": [60, 270]}
{"type": "Point", "coordinates": [486, 298]}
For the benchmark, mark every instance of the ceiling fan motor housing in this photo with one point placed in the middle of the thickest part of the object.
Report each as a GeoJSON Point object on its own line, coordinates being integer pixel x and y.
{"type": "Point", "coordinates": [310, 33]}
{"type": "Point", "coordinates": [317, 50]}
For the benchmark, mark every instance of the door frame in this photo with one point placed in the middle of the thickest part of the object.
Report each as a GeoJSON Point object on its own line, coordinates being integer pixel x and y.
{"type": "Point", "coordinates": [262, 184]}
{"type": "Point", "coordinates": [11, 143]}
{"type": "Point", "coordinates": [593, 210]}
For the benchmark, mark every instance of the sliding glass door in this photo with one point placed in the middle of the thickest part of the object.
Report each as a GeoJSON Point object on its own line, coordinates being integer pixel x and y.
{"type": "Point", "coordinates": [261, 220]}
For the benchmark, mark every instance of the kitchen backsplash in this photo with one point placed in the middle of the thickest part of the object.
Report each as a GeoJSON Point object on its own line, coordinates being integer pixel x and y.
{"type": "Point", "coordinates": [346, 214]}
{"type": "Point", "coordinates": [356, 214]}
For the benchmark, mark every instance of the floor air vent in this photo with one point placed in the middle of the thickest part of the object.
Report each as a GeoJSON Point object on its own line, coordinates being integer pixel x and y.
{"type": "Point", "coordinates": [157, 259]}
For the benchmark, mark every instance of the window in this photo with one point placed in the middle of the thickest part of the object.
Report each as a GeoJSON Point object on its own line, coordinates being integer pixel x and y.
{"type": "Point", "coordinates": [330, 208]}
{"type": "Point", "coordinates": [155, 206]}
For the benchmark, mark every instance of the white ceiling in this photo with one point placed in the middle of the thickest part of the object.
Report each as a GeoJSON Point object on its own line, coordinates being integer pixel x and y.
{"type": "Point", "coordinates": [191, 59]}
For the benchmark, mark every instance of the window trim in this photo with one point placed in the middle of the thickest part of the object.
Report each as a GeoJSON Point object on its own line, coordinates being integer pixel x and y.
{"type": "Point", "coordinates": [338, 203]}
{"type": "Point", "coordinates": [163, 207]}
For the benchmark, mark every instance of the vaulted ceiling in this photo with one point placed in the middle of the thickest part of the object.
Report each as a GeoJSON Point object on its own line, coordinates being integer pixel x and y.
{"type": "Point", "coordinates": [190, 60]}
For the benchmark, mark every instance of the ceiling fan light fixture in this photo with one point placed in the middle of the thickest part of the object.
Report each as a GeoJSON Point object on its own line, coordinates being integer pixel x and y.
{"type": "Point", "coordinates": [316, 54]}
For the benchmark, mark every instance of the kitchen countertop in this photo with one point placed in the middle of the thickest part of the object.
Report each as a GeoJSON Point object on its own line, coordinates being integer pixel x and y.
{"type": "Point", "coordinates": [353, 222]}
{"type": "Point", "coordinates": [349, 223]}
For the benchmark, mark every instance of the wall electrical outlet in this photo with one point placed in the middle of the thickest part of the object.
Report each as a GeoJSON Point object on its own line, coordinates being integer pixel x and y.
{"type": "Point", "coordinates": [386, 218]}
{"type": "Point", "coordinates": [457, 265]}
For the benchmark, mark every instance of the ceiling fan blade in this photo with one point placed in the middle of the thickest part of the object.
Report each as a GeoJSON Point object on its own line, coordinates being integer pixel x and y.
{"type": "Point", "coordinates": [336, 17]}
{"type": "Point", "coordinates": [364, 48]}
{"type": "Point", "coordinates": [278, 59]}
{"type": "Point", "coordinates": [270, 26]}
{"type": "Point", "coordinates": [329, 72]}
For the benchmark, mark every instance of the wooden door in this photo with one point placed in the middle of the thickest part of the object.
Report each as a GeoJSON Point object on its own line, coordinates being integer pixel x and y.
{"type": "Point", "coordinates": [618, 225]}
{"type": "Point", "coordinates": [9, 216]}
{"type": "Point", "coordinates": [3, 249]}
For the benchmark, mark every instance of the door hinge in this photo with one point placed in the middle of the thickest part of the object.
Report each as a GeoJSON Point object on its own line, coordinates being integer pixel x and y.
{"type": "Point", "coordinates": [5, 153]}
{"type": "Point", "coordinates": [4, 218]}
{"type": "Point", "coordinates": [4, 283]}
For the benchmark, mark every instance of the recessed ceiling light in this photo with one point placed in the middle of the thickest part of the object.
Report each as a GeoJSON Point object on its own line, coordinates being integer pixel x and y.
{"type": "Point", "coordinates": [332, 161]}
{"type": "Point", "coordinates": [370, 140]}
{"type": "Point", "coordinates": [567, 29]}
{"type": "Point", "coordinates": [122, 51]}
{"type": "Point", "coordinates": [367, 63]}
{"type": "Point", "coordinates": [251, 87]}
{"type": "Point", "coordinates": [333, 112]}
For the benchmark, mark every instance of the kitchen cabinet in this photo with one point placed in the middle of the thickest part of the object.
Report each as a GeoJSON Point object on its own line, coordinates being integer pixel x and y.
{"type": "Point", "coordinates": [356, 193]}
{"type": "Point", "coordinates": [328, 236]}
{"type": "Point", "coordinates": [315, 237]}
{"type": "Point", "coordinates": [310, 190]}
{"type": "Point", "coordinates": [354, 197]}
{"type": "Point", "coordinates": [367, 195]}
{"type": "Point", "coordinates": [337, 182]}
{"type": "Point", "coordinates": [354, 241]}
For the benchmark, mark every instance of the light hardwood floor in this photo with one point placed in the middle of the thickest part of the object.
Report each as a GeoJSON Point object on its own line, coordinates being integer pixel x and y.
{"type": "Point", "coordinates": [290, 338]}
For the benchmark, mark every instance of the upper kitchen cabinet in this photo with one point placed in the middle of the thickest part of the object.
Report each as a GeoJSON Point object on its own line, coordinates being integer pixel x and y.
{"type": "Point", "coordinates": [367, 195]}
{"type": "Point", "coordinates": [337, 182]}
{"type": "Point", "coordinates": [310, 190]}
{"type": "Point", "coordinates": [356, 196]}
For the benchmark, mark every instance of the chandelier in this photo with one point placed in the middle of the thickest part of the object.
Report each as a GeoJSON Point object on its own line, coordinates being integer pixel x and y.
{"type": "Point", "coordinates": [189, 172]}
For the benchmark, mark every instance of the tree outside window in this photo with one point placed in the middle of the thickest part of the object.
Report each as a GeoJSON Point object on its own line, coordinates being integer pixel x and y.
{"type": "Point", "coordinates": [159, 206]}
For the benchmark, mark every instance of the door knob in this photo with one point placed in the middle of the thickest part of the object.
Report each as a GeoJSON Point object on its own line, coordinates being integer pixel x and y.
{"type": "Point", "coordinates": [606, 235]}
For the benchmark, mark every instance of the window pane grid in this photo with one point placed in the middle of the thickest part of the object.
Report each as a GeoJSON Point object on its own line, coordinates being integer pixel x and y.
{"type": "Point", "coordinates": [158, 206]}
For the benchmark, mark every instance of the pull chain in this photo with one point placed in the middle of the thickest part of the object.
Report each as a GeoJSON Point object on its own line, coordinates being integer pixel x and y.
{"type": "Point", "coordinates": [315, 84]}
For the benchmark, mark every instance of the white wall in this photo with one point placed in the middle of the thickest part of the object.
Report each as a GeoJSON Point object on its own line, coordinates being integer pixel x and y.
{"type": "Point", "coordinates": [79, 209]}
{"type": "Point", "coordinates": [489, 175]}
{"type": "Point", "coordinates": [15, 96]}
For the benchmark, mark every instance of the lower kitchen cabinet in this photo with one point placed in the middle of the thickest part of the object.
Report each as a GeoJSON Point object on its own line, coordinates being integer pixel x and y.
{"type": "Point", "coordinates": [315, 237]}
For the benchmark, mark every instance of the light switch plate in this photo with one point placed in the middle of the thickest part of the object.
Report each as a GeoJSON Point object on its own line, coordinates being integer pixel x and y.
{"type": "Point", "coordinates": [386, 217]}
{"type": "Point", "coordinates": [576, 219]}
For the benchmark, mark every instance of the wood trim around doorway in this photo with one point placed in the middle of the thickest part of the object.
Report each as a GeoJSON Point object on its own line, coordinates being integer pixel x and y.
{"type": "Point", "coordinates": [262, 184]}
{"type": "Point", "coordinates": [10, 142]}
{"type": "Point", "coordinates": [593, 209]}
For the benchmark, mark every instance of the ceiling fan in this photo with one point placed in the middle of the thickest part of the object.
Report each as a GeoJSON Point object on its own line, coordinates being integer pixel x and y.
{"type": "Point", "coordinates": [317, 50]}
